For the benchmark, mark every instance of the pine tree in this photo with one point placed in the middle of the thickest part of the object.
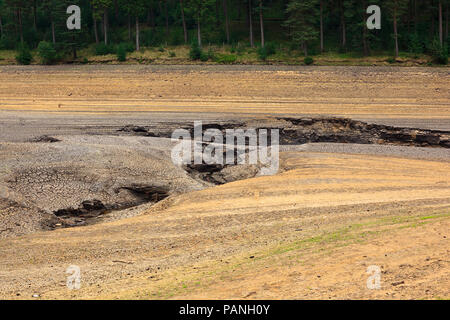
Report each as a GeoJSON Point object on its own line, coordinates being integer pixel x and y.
{"type": "Point", "coordinates": [396, 8]}
{"type": "Point", "coordinates": [134, 8]}
{"type": "Point", "coordinates": [303, 16]}
{"type": "Point", "coordinates": [199, 10]}
{"type": "Point", "coordinates": [101, 9]}
{"type": "Point", "coordinates": [1, 22]}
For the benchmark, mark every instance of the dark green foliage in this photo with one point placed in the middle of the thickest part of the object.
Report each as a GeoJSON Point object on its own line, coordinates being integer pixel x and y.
{"type": "Point", "coordinates": [295, 24]}
{"type": "Point", "coordinates": [152, 37]}
{"type": "Point", "coordinates": [240, 49]}
{"type": "Point", "coordinates": [102, 49]}
{"type": "Point", "coordinates": [128, 46]}
{"type": "Point", "coordinates": [415, 45]}
{"type": "Point", "coordinates": [211, 55]}
{"type": "Point", "coordinates": [271, 48]}
{"type": "Point", "coordinates": [266, 51]}
{"type": "Point", "coordinates": [196, 53]}
{"type": "Point", "coordinates": [47, 52]}
{"type": "Point", "coordinates": [262, 53]}
{"type": "Point", "coordinates": [438, 53]}
{"type": "Point", "coordinates": [308, 61]}
{"type": "Point", "coordinates": [24, 55]}
{"type": "Point", "coordinates": [225, 58]}
{"type": "Point", "coordinates": [391, 60]}
{"type": "Point", "coordinates": [7, 43]}
{"type": "Point", "coordinates": [121, 52]}
{"type": "Point", "coordinates": [303, 18]}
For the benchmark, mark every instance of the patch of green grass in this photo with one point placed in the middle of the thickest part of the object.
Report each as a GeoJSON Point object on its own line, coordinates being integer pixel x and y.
{"type": "Point", "coordinates": [225, 58]}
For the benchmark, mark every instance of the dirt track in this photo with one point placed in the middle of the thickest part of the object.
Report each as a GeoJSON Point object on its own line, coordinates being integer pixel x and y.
{"type": "Point", "coordinates": [311, 230]}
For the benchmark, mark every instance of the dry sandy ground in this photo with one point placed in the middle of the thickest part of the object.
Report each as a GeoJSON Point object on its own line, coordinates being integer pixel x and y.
{"type": "Point", "coordinates": [396, 95]}
{"type": "Point", "coordinates": [375, 206]}
{"type": "Point", "coordinates": [310, 231]}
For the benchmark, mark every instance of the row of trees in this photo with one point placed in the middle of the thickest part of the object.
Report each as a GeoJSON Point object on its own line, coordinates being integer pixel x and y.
{"type": "Point", "coordinates": [313, 25]}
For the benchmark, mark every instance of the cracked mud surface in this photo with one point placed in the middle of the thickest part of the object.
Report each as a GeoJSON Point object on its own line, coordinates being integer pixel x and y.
{"type": "Point", "coordinates": [359, 147]}
{"type": "Point", "coordinates": [74, 180]}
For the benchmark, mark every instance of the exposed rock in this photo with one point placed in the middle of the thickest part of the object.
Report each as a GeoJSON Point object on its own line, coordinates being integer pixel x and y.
{"type": "Point", "coordinates": [45, 138]}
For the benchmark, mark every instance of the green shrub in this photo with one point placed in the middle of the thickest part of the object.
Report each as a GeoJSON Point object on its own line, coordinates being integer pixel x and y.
{"type": "Point", "coordinates": [129, 46]}
{"type": "Point", "coordinates": [121, 52]}
{"type": "Point", "coordinates": [161, 48]}
{"type": "Point", "coordinates": [196, 52]}
{"type": "Point", "coordinates": [47, 52]}
{"type": "Point", "coordinates": [240, 49]}
{"type": "Point", "coordinates": [7, 43]}
{"type": "Point", "coordinates": [266, 51]}
{"type": "Point", "coordinates": [24, 55]}
{"type": "Point", "coordinates": [271, 48]}
{"type": "Point", "coordinates": [262, 53]}
{"type": "Point", "coordinates": [102, 49]}
{"type": "Point", "coordinates": [414, 44]}
{"type": "Point", "coordinates": [308, 61]}
{"type": "Point", "coordinates": [211, 55]}
{"type": "Point", "coordinates": [438, 53]}
{"type": "Point", "coordinates": [152, 37]}
{"type": "Point", "coordinates": [172, 54]}
{"type": "Point", "coordinates": [391, 60]}
{"type": "Point", "coordinates": [225, 58]}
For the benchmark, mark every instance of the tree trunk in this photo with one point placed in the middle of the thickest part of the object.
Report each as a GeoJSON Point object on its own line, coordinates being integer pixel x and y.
{"type": "Point", "coordinates": [129, 28]}
{"type": "Point", "coordinates": [441, 31]}
{"type": "Point", "coordinates": [138, 44]}
{"type": "Point", "coordinates": [366, 49]}
{"type": "Point", "coordinates": [105, 26]}
{"type": "Point", "coordinates": [199, 33]}
{"type": "Point", "coordinates": [432, 30]}
{"type": "Point", "coordinates": [19, 15]}
{"type": "Point", "coordinates": [446, 21]}
{"type": "Point", "coordinates": [152, 15]}
{"type": "Point", "coordinates": [321, 26]}
{"type": "Point", "coordinates": [343, 27]}
{"type": "Point", "coordinates": [116, 10]}
{"type": "Point", "coordinates": [94, 22]}
{"type": "Point", "coordinates": [34, 15]}
{"type": "Point", "coordinates": [184, 22]}
{"type": "Point", "coordinates": [305, 48]}
{"type": "Point", "coordinates": [416, 19]}
{"type": "Point", "coordinates": [409, 16]}
{"type": "Point", "coordinates": [74, 48]}
{"type": "Point", "coordinates": [167, 19]}
{"type": "Point", "coordinates": [217, 13]}
{"type": "Point", "coordinates": [1, 28]}
{"type": "Point", "coordinates": [239, 13]}
{"type": "Point", "coordinates": [250, 22]}
{"type": "Point", "coordinates": [53, 32]}
{"type": "Point", "coordinates": [261, 23]}
{"type": "Point", "coordinates": [395, 32]}
{"type": "Point", "coordinates": [227, 21]}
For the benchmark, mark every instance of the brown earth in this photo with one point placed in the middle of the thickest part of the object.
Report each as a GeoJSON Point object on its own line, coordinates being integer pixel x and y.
{"type": "Point", "coordinates": [310, 231]}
